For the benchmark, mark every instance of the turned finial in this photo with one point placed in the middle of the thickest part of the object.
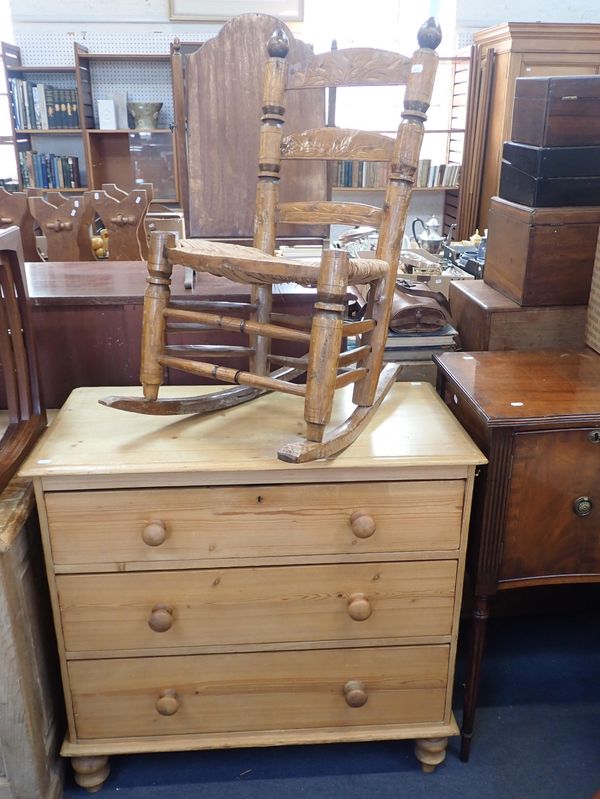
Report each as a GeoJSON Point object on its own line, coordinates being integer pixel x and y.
{"type": "Point", "coordinates": [278, 45]}
{"type": "Point", "coordinates": [430, 34]}
{"type": "Point", "coordinates": [176, 44]}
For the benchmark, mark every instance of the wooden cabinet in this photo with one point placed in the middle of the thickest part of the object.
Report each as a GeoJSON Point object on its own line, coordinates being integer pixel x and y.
{"type": "Point", "coordinates": [205, 594]}
{"type": "Point", "coordinates": [536, 416]}
{"type": "Point", "coordinates": [502, 54]}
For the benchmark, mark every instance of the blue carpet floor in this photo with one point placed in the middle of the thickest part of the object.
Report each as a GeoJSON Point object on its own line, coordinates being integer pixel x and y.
{"type": "Point", "coordinates": [537, 737]}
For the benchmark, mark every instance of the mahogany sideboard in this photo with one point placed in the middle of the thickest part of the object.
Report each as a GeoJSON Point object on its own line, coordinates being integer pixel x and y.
{"type": "Point", "coordinates": [206, 594]}
{"type": "Point", "coordinates": [536, 416]}
{"type": "Point", "coordinates": [87, 319]}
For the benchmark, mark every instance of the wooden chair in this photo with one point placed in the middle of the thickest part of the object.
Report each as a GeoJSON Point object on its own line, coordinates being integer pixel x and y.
{"type": "Point", "coordinates": [122, 214]}
{"type": "Point", "coordinates": [65, 222]}
{"type": "Point", "coordinates": [326, 367]}
{"type": "Point", "coordinates": [14, 212]}
{"type": "Point", "coordinates": [26, 415]}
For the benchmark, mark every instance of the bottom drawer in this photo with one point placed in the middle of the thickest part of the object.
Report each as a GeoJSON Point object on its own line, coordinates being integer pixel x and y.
{"type": "Point", "coordinates": [258, 691]}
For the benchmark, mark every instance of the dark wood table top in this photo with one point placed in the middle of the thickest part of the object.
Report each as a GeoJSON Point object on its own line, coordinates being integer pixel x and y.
{"type": "Point", "coordinates": [512, 387]}
{"type": "Point", "coordinates": [118, 282]}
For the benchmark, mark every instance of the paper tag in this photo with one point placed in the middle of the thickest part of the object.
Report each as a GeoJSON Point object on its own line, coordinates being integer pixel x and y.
{"type": "Point", "coordinates": [416, 68]}
{"type": "Point", "coordinates": [138, 200]}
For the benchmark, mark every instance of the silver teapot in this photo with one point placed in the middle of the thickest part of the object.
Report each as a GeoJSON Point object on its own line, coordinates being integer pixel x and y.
{"type": "Point", "coordinates": [431, 238]}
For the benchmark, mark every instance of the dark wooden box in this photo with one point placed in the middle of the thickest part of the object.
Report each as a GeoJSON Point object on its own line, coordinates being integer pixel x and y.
{"type": "Point", "coordinates": [557, 111]}
{"type": "Point", "coordinates": [541, 256]}
{"type": "Point", "coordinates": [487, 320]}
{"type": "Point", "coordinates": [553, 162]}
{"type": "Point", "coordinates": [519, 187]}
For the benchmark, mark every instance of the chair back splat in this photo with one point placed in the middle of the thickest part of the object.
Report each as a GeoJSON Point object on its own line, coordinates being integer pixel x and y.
{"type": "Point", "coordinates": [26, 414]}
{"type": "Point", "coordinates": [327, 365]}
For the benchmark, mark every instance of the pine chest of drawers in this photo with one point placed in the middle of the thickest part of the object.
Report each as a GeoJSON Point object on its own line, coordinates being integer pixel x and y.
{"type": "Point", "coordinates": [207, 595]}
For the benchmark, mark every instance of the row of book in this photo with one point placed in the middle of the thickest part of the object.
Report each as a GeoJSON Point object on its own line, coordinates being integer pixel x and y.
{"type": "Point", "coordinates": [39, 106]}
{"type": "Point", "coordinates": [47, 171]}
{"type": "Point", "coordinates": [374, 174]}
{"type": "Point", "coordinates": [361, 174]}
{"type": "Point", "coordinates": [432, 175]}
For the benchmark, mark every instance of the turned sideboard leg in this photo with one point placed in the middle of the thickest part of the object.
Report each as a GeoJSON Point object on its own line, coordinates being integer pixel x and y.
{"type": "Point", "coordinates": [90, 772]}
{"type": "Point", "coordinates": [430, 752]}
{"type": "Point", "coordinates": [481, 614]}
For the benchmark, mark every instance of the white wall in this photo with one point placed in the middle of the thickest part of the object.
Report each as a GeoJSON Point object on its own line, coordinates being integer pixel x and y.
{"type": "Point", "coordinates": [472, 15]}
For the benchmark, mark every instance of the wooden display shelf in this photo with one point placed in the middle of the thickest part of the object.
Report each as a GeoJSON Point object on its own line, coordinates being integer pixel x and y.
{"type": "Point", "coordinates": [16, 69]}
{"type": "Point", "coordinates": [128, 130]}
{"type": "Point", "coordinates": [382, 188]}
{"type": "Point", "coordinates": [45, 131]}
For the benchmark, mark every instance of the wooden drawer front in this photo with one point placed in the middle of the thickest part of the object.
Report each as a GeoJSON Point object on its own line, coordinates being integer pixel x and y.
{"type": "Point", "coordinates": [360, 601]}
{"type": "Point", "coordinates": [258, 691]}
{"type": "Point", "coordinates": [253, 522]}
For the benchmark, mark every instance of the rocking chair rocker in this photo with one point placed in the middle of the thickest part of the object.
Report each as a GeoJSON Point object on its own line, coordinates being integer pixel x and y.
{"type": "Point", "coordinates": [326, 367]}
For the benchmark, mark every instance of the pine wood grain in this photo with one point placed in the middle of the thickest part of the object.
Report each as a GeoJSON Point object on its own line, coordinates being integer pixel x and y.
{"type": "Point", "coordinates": [95, 527]}
{"type": "Point", "coordinates": [256, 605]}
{"type": "Point", "coordinates": [259, 691]}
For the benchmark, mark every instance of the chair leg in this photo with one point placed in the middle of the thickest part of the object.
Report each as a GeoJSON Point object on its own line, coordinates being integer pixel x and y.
{"type": "Point", "coordinates": [259, 359]}
{"type": "Point", "coordinates": [325, 342]}
{"type": "Point", "coordinates": [378, 308]}
{"type": "Point", "coordinates": [156, 298]}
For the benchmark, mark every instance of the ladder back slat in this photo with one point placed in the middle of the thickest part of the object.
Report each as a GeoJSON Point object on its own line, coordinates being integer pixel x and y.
{"type": "Point", "coordinates": [354, 66]}
{"type": "Point", "coordinates": [330, 213]}
{"type": "Point", "coordinates": [334, 144]}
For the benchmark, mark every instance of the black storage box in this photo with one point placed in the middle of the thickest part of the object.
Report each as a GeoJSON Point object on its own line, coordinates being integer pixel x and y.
{"type": "Point", "coordinates": [550, 176]}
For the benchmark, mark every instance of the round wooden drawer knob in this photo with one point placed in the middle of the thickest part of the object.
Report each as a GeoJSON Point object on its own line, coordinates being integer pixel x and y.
{"type": "Point", "coordinates": [167, 703]}
{"type": "Point", "coordinates": [363, 525]}
{"type": "Point", "coordinates": [161, 618]}
{"type": "Point", "coordinates": [359, 607]}
{"type": "Point", "coordinates": [355, 693]}
{"type": "Point", "coordinates": [154, 533]}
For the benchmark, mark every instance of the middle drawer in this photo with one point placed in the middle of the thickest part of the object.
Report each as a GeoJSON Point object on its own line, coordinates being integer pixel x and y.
{"type": "Point", "coordinates": [265, 605]}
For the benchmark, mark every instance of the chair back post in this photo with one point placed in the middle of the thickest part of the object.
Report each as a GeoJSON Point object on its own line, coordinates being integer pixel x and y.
{"type": "Point", "coordinates": [267, 188]}
{"type": "Point", "coordinates": [271, 134]}
{"type": "Point", "coordinates": [405, 157]}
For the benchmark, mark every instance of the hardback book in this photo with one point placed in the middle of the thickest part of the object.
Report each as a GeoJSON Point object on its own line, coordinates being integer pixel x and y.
{"type": "Point", "coordinates": [107, 118]}
{"type": "Point", "coordinates": [440, 338]}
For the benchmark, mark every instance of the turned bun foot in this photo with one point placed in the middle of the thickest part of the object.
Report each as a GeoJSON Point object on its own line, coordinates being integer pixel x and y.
{"type": "Point", "coordinates": [430, 752]}
{"type": "Point", "coordinates": [90, 772]}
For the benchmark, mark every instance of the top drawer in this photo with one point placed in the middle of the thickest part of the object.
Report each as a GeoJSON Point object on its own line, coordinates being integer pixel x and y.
{"type": "Point", "coordinates": [259, 522]}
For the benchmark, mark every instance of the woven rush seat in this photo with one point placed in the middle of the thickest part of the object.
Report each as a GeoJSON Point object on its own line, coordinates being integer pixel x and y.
{"type": "Point", "coordinates": [251, 265]}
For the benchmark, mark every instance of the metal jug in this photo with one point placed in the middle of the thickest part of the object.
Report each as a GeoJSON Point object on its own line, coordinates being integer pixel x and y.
{"type": "Point", "coordinates": [431, 238]}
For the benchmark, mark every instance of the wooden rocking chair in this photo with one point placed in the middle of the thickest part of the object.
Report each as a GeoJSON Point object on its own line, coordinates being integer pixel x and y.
{"type": "Point", "coordinates": [326, 367]}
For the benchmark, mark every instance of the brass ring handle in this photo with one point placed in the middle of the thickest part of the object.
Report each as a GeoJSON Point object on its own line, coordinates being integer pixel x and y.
{"type": "Point", "coordinates": [583, 506]}
{"type": "Point", "coordinates": [154, 533]}
{"type": "Point", "coordinates": [167, 703]}
{"type": "Point", "coordinates": [355, 693]}
{"type": "Point", "coordinates": [359, 607]}
{"type": "Point", "coordinates": [161, 619]}
{"type": "Point", "coordinates": [362, 524]}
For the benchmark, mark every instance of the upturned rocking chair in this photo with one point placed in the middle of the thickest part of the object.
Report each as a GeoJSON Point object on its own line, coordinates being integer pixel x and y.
{"type": "Point", "coordinates": [327, 368]}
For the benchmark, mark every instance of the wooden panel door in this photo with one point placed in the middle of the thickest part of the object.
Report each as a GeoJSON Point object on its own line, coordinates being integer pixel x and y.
{"type": "Point", "coordinates": [224, 96]}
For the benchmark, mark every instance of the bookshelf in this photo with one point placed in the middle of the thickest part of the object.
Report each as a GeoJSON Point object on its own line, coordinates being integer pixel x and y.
{"type": "Point", "coordinates": [46, 129]}
{"type": "Point", "coordinates": [45, 151]}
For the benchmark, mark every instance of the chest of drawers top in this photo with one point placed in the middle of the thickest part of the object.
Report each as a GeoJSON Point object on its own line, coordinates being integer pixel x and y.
{"type": "Point", "coordinates": [413, 436]}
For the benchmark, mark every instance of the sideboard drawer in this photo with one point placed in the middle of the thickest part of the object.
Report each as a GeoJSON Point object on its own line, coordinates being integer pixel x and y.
{"type": "Point", "coordinates": [258, 691]}
{"type": "Point", "coordinates": [114, 527]}
{"type": "Point", "coordinates": [266, 605]}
